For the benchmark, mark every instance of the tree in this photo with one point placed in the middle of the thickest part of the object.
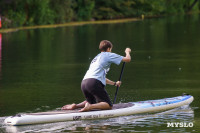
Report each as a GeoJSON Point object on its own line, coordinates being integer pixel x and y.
{"type": "Point", "coordinates": [192, 5]}
{"type": "Point", "coordinates": [84, 9]}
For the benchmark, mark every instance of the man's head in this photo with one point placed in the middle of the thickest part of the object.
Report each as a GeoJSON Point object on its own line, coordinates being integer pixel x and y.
{"type": "Point", "coordinates": [105, 46]}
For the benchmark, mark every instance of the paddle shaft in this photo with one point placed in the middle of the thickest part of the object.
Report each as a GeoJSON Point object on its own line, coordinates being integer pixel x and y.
{"type": "Point", "coordinates": [120, 78]}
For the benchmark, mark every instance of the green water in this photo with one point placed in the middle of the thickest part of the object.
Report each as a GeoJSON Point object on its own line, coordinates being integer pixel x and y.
{"type": "Point", "coordinates": [42, 70]}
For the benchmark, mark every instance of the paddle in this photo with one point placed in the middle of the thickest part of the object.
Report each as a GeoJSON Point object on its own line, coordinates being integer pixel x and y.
{"type": "Point", "coordinates": [120, 77]}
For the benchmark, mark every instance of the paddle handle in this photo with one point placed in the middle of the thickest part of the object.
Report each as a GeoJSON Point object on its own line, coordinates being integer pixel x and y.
{"type": "Point", "coordinates": [120, 78]}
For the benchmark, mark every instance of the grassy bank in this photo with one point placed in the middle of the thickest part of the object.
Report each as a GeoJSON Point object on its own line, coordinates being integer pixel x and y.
{"type": "Point", "coordinates": [70, 24]}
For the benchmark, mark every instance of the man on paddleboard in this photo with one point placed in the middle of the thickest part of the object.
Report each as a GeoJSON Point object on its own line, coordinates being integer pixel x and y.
{"type": "Point", "coordinates": [94, 81]}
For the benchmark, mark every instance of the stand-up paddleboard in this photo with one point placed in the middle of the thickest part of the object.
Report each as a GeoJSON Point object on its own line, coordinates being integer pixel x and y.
{"type": "Point", "coordinates": [121, 109]}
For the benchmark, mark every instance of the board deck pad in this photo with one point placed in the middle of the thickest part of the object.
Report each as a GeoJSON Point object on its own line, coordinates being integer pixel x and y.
{"type": "Point", "coordinates": [115, 106]}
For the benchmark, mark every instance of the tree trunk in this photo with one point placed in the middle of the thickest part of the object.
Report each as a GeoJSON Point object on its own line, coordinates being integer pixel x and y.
{"type": "Point", "coordinates": [193, 4]}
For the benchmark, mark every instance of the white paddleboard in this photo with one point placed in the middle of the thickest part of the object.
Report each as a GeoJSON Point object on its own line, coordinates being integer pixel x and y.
{"type": "Point", "coordinates": [121, 109]}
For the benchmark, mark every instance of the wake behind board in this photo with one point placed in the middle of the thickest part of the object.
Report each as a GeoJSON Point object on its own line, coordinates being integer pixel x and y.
{"type": "Point", "coordinates": [121, 109]}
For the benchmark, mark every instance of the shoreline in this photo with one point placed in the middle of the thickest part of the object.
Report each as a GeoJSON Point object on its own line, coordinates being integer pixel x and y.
{"type": "Point", "coordinates": [80, 23]}
{"type": "Point", "coordinates": [70, 24]}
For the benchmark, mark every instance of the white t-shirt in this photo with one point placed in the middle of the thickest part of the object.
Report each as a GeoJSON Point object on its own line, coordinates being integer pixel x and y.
{"type": "Point", "coordinates": [100, 65]}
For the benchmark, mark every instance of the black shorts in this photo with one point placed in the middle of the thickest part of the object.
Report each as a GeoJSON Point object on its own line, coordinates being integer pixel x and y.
{"type": "Point", "coordinates": [94, 91]}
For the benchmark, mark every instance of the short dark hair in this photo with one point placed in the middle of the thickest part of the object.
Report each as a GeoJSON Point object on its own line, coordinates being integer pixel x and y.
{"type": "Point", "coordinates": [104, 45]}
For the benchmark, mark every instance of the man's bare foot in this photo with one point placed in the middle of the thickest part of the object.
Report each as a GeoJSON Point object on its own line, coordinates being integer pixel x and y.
{"type": "Point", "coordinates": [86, 108]}
{"type": "Point", "coordinates": [69, 107]}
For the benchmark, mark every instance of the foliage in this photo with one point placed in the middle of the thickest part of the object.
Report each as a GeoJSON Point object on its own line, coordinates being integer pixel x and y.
{"type": "Point", "coordinates": [84, 9]}
{"type": "Point", "coordinates": [16, 13]}
{"type": "Point", "coordinates": [63, 10]}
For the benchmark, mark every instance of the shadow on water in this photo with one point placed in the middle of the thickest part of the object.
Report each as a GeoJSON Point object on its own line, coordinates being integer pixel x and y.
{"type": "Point", "coordinates": [133, 123]}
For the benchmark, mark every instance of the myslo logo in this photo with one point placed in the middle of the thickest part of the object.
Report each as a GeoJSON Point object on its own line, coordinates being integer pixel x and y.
{"type": "Point", "coordinates": [180, 124]}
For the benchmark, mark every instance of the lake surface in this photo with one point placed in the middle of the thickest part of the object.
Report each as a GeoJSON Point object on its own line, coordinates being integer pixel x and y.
{"type": "Point", "coordinates": [42, 69]}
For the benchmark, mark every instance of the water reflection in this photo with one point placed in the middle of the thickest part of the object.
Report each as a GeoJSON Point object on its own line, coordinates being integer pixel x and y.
{"type": "Point", "coordinates": [134, 123]}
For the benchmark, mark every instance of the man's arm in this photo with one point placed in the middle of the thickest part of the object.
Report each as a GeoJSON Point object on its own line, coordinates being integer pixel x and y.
{"type": "Point", "coordinates": [108, 81]}
{"type": "Point", "coordinates": [128, 57]}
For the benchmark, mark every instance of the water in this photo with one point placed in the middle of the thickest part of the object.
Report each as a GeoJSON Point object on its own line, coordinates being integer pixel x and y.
{"type": "Point", "coordinates": [42, 69]}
